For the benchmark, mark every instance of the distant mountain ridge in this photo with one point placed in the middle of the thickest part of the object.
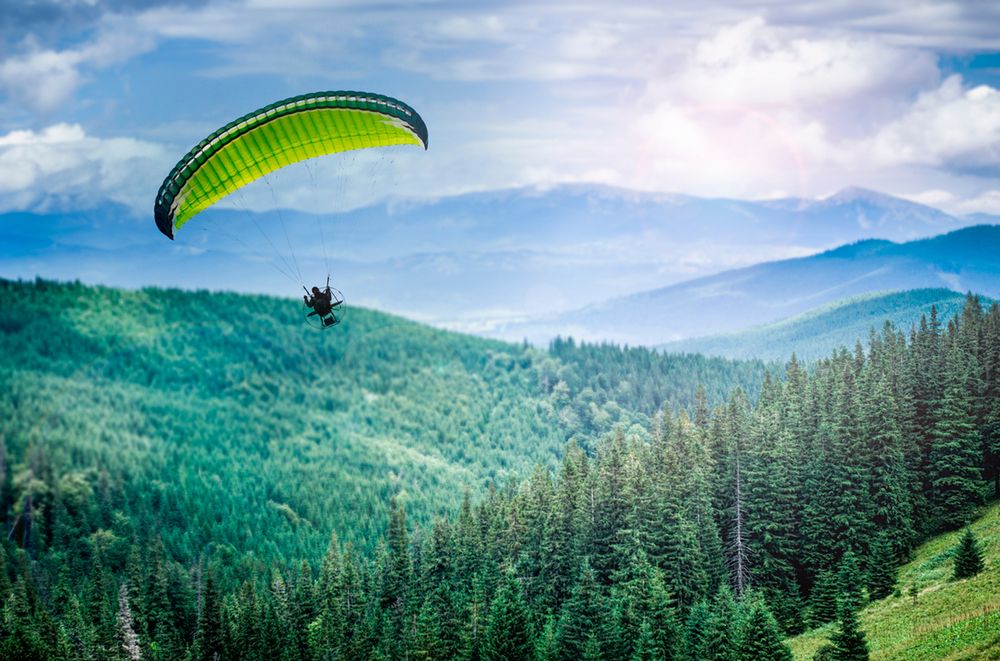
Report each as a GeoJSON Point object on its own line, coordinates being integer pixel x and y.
{"type": "Point", "coordinates": [468, 262]}
{"type": "Point", "coordinates": [964, 260]}
{"type": "Point", "coordinates": [817, 333]}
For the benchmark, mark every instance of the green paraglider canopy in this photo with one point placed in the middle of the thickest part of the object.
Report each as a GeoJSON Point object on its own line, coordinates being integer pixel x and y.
{"type": "Point", "coordinates": [277, 135]}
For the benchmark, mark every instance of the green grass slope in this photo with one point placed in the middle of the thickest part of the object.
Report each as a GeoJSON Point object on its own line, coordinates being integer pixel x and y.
{"type": "Point", "coordinates": [947, 619]}
{"type": "Point", "coordinates": [819, 332]}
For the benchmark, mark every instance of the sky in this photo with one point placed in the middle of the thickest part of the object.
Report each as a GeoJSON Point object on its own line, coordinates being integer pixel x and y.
{"type": "Point", "coordinates": [752, 100]}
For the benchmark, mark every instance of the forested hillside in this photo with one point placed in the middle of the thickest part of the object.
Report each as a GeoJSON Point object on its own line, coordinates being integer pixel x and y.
{"type": "Point", "coordinates": [819, 332]}
{"type": "Point", "coordinates": [172, 459]}
{"type": "Point", "coordinates": [206, 400]}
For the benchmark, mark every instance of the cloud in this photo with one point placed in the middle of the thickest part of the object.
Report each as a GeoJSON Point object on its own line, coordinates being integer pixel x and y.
{"type": "Point", "coordinates": [757, 108]}
{"type": "Point", "coordinates": [951, 126]}
{"type": "Point", "coordinates": [762, 65]}
{"type": "Point", "coordinates": [704, 98]}
{"type": "Point", "coordinates": [61, 167]}
{"type": "Point", "coordinates": [43, 79]}
{"type": "Point", "coordinates": [987, 202]}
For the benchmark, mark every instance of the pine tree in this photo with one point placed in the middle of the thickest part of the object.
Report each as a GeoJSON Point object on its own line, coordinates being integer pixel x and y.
{"type": "Point", "coordinates": [722, 640]}
{"type": "Point", "coordinates": [567, 532]}
{"type": "Point", "coordinates": [610, 507]}
{"type": "Point", "coordinates": [592, 650]}
{"type": "Point", "coordinates": [645, 648]}
{"type": "Point", "coordinates": [639, 594]}
{"type": "Point", "coordinates": [849, 584]}
{"type": "Point", "coordinates": [881, 568]}
{"type": "Point", "coordinates": [208, 640]}
{"type": "Point", "coordinates": [580, 618]}
{"type": "Point", "coordinates": [771, 504]}
{"type": "Point", "coordinates": [968, 556]}
{"type": "Point", "coordinates": [398, 564]}
{"type": "Point", "coordinates": [849, 512]}
{"type": "Point", "coordinates": [508, 633]}
{"type": "Point", "coordinates": [761, 638]}
{"type": "Point", "coordinates": [892, 506]}
{"type": "Point", "coordinates": [546, 645]}
{"type": "Point", "coordinates": [696, 630]}
{"type": "Point", "coordinates": [849, 640]}
{"type": "Point", "coordinates": [823, 599]}
{"type": "Point", "coordinates": [954, 457]}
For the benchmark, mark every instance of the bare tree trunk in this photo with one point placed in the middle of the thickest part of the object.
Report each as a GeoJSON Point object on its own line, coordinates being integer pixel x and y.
{"type": "Point", "coordinates": [738, 549]}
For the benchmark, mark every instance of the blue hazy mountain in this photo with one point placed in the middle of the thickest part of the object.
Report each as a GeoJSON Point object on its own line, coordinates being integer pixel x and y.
{"type": "Point", "coordinates": [966, 259]}
{"type": "Point", "coordinates": [816, 334]}
{"type": "Point", "coordinates": [470, 261]}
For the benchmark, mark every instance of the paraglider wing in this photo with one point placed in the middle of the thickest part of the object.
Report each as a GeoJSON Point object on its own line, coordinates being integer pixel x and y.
{"type": "Point", "coordinates": [277, 135]}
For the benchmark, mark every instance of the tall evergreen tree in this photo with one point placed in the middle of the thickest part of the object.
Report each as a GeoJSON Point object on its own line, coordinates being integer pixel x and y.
{"type": "Point", "coordinates": [823, 599]}
{"type": "Point", "coordinates": [892, 506]}
{"type": "Point", "coordinates": [849, 641]}
{"type": "Point", "coordinates": [881, 568]}
{"type": "Point", "coordinates": [696, 631]}
{"type": "Point", "coordinates": [209, 639]}
{"type": "Point", "coordinates": [580, 618]}
{"type": "Point", "coordinates": [722, 642]}
{"type": "Point", "coordinates": [761, 637]}
{"type": "Point", "coordinates": [954, 457]}
{"type": "Point", "coordinates": [508, 632]}
{"type": "Point", "coordinates": [968, 556]}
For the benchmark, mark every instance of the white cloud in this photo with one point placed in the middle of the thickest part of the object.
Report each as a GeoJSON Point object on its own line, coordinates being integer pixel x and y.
{"type": "Point", "coordinates": [985, 202]}
{"type": "Point", "coordinates": [951, 125]}
{"type": "Point", "coordinates": [44, 78]}
{"type": "Point", "coordinates": [764, 65]}
{"type": "Point", "coordinates": [686, 96]}
{"type": "Point", "coordinates": [61, 166]}
{"type": "Point", "coordinates": [757, 108]}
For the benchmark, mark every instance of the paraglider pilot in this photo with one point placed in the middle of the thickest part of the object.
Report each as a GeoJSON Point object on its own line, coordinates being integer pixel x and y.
{"type": "Point", "coordinates": [322, 304]}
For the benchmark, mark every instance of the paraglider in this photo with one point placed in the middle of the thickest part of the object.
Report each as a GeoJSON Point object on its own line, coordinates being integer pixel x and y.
{"type": "Point", "coordinates": [275, 136]}
{"type": "Point", "coordinates": [324, 304]}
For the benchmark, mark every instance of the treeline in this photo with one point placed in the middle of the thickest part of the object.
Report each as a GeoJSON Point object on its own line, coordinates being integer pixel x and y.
{"type": "Point", "coordinates": [599, 386]}
{"type": "Point", "coordinates": [698, 532]}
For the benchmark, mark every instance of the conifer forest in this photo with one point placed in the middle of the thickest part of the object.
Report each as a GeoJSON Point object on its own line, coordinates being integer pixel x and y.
{"type": "Point", "coordinates": [180, 484]}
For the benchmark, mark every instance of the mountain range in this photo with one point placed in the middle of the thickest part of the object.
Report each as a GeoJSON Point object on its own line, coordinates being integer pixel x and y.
{"type": "Point", "coordinates": [479, 262]}
{"type": "Point", "coordinates": [964, 260]}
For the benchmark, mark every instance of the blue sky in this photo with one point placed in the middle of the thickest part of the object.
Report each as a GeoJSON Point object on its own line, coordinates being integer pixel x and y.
{"type": "Point", "coordinates": [98, 98]}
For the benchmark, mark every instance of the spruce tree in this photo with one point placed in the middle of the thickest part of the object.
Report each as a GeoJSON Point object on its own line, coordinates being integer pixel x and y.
{"type": "Point", "coordinates": [761, 638]}
{"type": "Point", "coordinates": [209, 637]}
{"type": "Point", "coordinates": [696, 630]}
{"type": "Point", "coordinates": [823, 599]}
{"type": "Point", "coordinates": [849, 640]}
{"type": "Point", "coordinates": [892, 504]}
{"type": "Point", "coordinates": [849, 584]}
{"type": "Point", "coordinates": [968, 557]}
{"type": "Point", "coordinates": [645, 648]}
{"type": "Point", "coordinates": [508, 633]}
{"type": "Point", "coordinates": [722, 640]}
{"type": "Point", "coordinates": [955, 451]}
{"type": "Point", "coordinates": [610, 507]}
{"type": "Point", "coordinates": [772, 504]}
{"type": "Point", "coordinates": [545, 645]}
{"type": "Point", "coordinates": [881, 569]}
{"type": "Point", "coordinates": [580, 618]}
